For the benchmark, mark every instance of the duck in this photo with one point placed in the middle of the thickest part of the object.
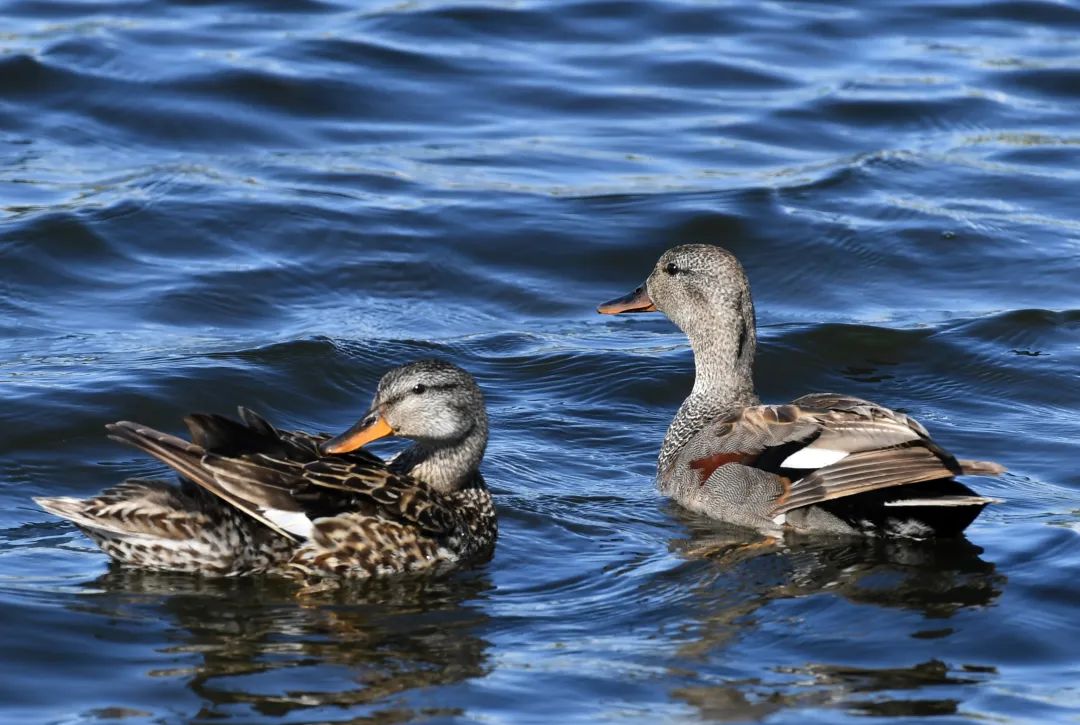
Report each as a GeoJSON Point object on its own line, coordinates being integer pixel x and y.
{"type": "Point", "coordinates": [823, 463]}
{"type": "Point", "coordinates": [253, 499]}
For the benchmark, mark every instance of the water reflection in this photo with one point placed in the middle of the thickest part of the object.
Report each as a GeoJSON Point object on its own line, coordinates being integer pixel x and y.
{"type": "Point", "coordinates": [737, 581]}
{"type": "Point", "coordinates": [257, 646]}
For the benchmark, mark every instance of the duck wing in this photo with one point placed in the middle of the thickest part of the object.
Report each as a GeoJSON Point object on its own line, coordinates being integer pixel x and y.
{"type": "Point", "coordinates": [335, 484]}
{"type": "Point", "coordinates": [253, 434]}
{"type": "Point", "coordinates": [265, 497]}
{"type": "Point", "coordinates": [399, 495]}
{"type": "Point", "coordinates": [278, 478]}
{"type": "Point", "coordinates": [826, 446]}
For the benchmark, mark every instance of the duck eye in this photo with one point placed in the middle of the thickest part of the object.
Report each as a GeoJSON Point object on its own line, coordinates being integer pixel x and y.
{"type": "Point", "coordinates": [419, 389]}
{"type": "Point", "coordinates": [672, 268]}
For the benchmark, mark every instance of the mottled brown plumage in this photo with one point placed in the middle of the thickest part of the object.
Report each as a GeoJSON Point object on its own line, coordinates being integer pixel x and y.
{"type": "Point", "coordinates": [254, 499]}
{"type": "Point", "coordinates": [824, 462]}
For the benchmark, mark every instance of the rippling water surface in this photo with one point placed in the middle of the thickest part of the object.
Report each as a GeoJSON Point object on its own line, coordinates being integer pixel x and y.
{"type": "Point", "coordinates": [272, 202]}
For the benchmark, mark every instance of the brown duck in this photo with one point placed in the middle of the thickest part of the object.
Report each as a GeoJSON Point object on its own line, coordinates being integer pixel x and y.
{"type": "Point", "coordinates": [254, 499]}
{"type": "Point", "coordinates": [824, 462]}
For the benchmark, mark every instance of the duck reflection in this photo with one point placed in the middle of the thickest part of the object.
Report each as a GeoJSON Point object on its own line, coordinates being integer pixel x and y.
{"type": "Point", "coordinates": [738, 579]}
{"type": "Point", "coordinates": [253, 646]}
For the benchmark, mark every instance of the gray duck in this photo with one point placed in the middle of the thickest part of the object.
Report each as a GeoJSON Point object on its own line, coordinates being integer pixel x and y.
{"type": "Point", "coordinates": [254, 499]}
{"type": "Point", "coordinates": [822, 463]}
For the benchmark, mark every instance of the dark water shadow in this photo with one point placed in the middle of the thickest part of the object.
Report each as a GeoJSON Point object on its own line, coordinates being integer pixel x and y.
{"type": "Point", "coordinates": [262, 647]}
{"type": "Point", "coordinates": [740, 576]}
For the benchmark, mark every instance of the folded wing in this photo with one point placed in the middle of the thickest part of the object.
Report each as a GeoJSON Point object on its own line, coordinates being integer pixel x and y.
{"type": "Point", "coordinates": [278, 478]}
{"type": "Point", "coordinates": [824, 447]}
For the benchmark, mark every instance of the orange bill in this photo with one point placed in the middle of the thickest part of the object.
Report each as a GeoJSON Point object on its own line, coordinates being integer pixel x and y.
{"type": "Point", "coordinates": [636, 301]}
{"type": "Point", "coordinates": [371, 428]}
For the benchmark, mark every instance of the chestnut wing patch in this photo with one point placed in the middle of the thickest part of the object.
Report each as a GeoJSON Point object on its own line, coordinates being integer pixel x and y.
{"type": "Point", "coordinates": [760, 436]}
{"type": "Point", "coordinates": [707, 465]}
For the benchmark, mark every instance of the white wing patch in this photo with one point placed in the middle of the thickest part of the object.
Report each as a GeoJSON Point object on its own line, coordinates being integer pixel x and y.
{"type": "Point", "coordinates": [811, 457]}
{"type": "Point", "coordinates": [294, 522]}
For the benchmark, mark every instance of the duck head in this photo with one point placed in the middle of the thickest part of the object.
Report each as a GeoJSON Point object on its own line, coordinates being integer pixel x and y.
{"type": "Point", "coordinates": [687, 283]}
{"type": "Point", "coordinates": [704, 291]}
{"type": "Point", "coordinates": [434, 403]}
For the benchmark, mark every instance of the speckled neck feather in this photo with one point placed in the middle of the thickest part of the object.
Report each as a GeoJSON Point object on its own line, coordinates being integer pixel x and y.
{"type": "Point", "coordinates": [446, 467]}
{"type": "Point", "coordinates": [724, 339]}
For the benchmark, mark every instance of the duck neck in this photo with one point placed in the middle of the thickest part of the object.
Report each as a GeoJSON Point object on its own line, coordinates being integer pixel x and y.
{"type": "Point", "coordinates": [446, 467]}
{"type": "Point", "coordinates": [724, 344]}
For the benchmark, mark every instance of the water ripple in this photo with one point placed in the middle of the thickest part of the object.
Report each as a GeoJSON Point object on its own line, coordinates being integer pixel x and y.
{"type": "Point", "coordinates": [272, 203]}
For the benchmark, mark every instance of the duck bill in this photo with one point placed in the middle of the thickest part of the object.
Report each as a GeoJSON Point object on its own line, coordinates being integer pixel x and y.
{"type": "Point", "coordinates": [371, 428]}
{"type": "Point", "coordinates": [636, 301]}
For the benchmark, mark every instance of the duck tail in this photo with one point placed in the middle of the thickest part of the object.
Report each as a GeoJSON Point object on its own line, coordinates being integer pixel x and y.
{"type": "Point", "coordinates": [981, 468]}
{"type": "Point", "coordinates": [153, 525]}
{"type": "Point", "coordinates": [135, 507]}
{"type": "Point", "coordinates": [74, 510]}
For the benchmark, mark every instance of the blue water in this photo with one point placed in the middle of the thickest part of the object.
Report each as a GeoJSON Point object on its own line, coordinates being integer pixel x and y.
{"type": "Point", "coordinates": [271, 203]}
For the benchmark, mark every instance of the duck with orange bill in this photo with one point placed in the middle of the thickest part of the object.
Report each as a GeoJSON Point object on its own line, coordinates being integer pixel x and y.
{"type": "Point", "coordinates": [254, 499]}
